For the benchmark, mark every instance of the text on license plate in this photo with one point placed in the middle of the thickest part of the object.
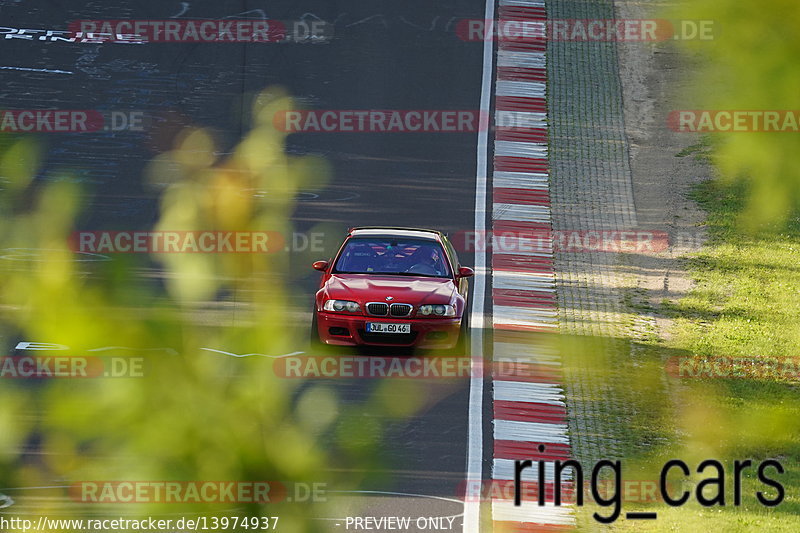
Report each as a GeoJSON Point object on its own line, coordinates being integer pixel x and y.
{"type": "Point", "coordinates": [383, 327]}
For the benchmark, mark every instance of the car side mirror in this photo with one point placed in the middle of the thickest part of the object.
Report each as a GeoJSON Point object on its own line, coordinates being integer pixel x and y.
{"type": "Point", "coordinates": [320, 265]}
{"type": "Point", "coordinates": [465, 272]}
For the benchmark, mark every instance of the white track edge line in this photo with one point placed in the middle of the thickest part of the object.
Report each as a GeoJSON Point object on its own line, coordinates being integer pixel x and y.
{"type": "Point", "coordinates": [474, 466]}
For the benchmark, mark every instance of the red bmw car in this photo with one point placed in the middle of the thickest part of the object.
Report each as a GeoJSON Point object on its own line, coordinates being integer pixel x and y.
{"type": "Point", "coordinates": [392, 287]}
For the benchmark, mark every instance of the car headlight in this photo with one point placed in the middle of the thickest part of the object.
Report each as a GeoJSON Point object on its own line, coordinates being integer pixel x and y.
{"type": "Point", "coordinates": [341, 306]}
{"type": "Point", "coordinates": [437, 310]}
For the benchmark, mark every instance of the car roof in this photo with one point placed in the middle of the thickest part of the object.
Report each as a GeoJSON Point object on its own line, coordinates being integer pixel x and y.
{"type": "Point", "coordinates": [380, 231]}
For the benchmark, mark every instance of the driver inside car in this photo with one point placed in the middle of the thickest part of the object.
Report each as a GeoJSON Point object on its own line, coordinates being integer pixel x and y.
{"type": "Point", "coordinates": [426, 260]}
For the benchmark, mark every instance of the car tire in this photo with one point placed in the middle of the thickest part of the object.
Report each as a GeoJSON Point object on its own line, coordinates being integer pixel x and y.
{"type": "Point", "coordinates": [462, 346]}
{"type": "Point", "coordinates": [314, 342]}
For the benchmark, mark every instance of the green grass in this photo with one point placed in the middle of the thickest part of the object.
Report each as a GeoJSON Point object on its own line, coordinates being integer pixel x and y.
{"type": "Point", "coordinates": [749, 517]}
{"type": "Point", "coordinates": [747, 300]}
{"type": "Point", "coordinates": [701, 151]}
{"type": "Point", "coordinates": [746, 303]}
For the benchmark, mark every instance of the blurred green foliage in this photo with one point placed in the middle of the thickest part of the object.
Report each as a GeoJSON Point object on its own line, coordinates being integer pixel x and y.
{"type": "Point", "coordinates": [750, 64]}
{"type": "Point", "coordinates": [195, 415]}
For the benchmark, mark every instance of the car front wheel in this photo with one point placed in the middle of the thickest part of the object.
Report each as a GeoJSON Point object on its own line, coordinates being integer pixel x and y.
{"type": "Point", "coordinates": [462, 346]}
{"type": "Point", "coordinates": [314, 344]}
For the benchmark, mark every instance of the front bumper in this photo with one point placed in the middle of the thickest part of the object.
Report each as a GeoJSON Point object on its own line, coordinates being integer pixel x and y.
{"type": "Point", "coordinates": [350, 330]}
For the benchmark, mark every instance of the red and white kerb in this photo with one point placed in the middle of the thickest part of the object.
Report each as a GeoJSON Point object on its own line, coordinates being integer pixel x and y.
{"type": "Point", "coordinates": [529, 408]}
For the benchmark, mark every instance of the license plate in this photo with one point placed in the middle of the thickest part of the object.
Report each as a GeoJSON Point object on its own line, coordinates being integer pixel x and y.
{"type": "Point", "coordinates": [384, 327]}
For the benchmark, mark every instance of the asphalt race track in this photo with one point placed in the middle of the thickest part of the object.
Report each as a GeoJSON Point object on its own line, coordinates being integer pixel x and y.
{"type": "Point", "coordinates": [383, 55]}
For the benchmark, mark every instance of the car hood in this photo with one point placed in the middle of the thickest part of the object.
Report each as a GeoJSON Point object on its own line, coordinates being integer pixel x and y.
{"type": "Point", "coordinates": [404, 289]}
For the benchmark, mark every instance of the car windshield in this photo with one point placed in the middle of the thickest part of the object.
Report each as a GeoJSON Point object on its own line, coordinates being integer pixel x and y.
{"type": "Point", "coordinates": [387, 255]}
